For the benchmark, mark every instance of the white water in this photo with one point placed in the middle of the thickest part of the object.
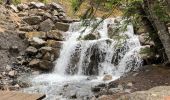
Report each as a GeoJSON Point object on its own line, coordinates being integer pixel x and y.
{"type": "Point", "coordinates": [123, 52]}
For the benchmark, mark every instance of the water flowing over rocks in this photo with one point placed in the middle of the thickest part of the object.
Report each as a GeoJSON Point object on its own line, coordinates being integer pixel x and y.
{"type": "Point", "coordinates": [79, 64]}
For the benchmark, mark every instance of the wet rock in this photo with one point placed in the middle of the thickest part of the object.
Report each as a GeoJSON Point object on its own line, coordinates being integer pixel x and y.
{"type": "Point", "coordinates": [37, 5]}
{"type": "Point", "coordinates": [145, 39]}
{"type": "Point", "coordinates": [130, 84]}
{"type": "Point", "coordinates": [98, 88]}
{"type": "Point", "coordinates": [141, 30]}
{"type": "Point", "coordinates": [14, 8]}
{"type": "Point", "coordinates": [107, 78]}
{"type": "Point", "coordinates": [12, 73]}
{"type": "Point", "coordinates": [22, 7]}
{"type": "Point", "coordinates": [46, 25]}
{"type": "Point", "coordinates": [46, 65]}
{"type": "Point", "coordinates": [30, 35]}
{"type": "Point", "coordinates": [32, 20]}
{"type": "Point", "coordinates": [61, 26]}
{"type": "Point", "coordinates": [55, 34]}
{"type": "Point", "coordinates": [54, 44]}
{"type": "Point", "coordinates": [89, 37]}
{"type": "Point", "coordinates": [26, 28]}
{"type": "Point", "coordinates": [91, 77]}
{"type": "Point", "coordinates": [31, 50]}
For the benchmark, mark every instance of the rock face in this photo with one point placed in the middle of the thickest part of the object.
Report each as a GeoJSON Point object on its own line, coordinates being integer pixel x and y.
{"type": "Point", "coordinates": [156, 93]}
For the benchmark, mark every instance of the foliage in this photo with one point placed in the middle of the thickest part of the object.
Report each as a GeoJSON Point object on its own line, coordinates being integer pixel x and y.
{"type": "Point", "coordinates": [161, 10]}
{"type": "Point", "coordinates": [15, 2]}
{"type": "Point", "coordinates": [43, 1]}
{"type": "Point", "coordinates": [1, 1]}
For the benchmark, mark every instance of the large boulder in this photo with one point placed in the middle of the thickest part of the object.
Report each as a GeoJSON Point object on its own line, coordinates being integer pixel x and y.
{"type": "Point", "coordinates": [32, 20]}
{"type": "Point", "coordinates": [46, 25]}
{"type": "Point", "coordinates": [55, 34]}
{"type": "Point", "coordinates": [62, 26]}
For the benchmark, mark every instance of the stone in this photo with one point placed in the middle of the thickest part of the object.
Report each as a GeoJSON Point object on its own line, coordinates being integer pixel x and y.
{"type": "Point", "coordinates": [37, 42]}
{"type": "Point", "coordinates": [54, 43]}
{"type": "Point", "coordinates": [141, 30]}
{"type": "Point", "coordinates": [89, 37]}
{"type": "Point", "coordinates": [55, 34]}
{"type": "Point", "coordinates": [31, 50]}
{"type": "Point", "coordinates": [48, 56]}
{"type": "Point", "coordinates": [46, 65]}
{"type": "Point", "coordinates": [22, 14]}
{"type": "Point", "coordinates": [61, 26]}
{"type": "Point", "coordinates": [56, 6]}
{"type": "Point", "coordinates": [14, 8]}
{"type": "Point", "coordinates": [22, 7]}
{"type": "Point", "coordinates": [21, 34]}
{"type": "Point", "coordinates": [145, 39]}
{"type": "Point", "coordinates": [91, 77]}
{"type": "Point", "coordinates": [12, 73]}
{"type": "Point", "coordinates": [46, 25]}
{"type": "Point", "coordinates": [32, 20]}
{"type": "Point", "coordinates": [8, 68]}
{"type": "Point", "coordinates": [130, 84]}
{"type": "Point", "coordinates": [107, 78]}
{"type": "Point", "coordinates": [30, 35]}
{"type": "Point", "coordinates": [44, 50]}
{"type": "Point", "coordinates": [34, 63]}
{"type": "Point", "coordinates": [14, 50]}
{"type": "Point", "coordinates": [37, 5]}
{"type": "Point", "coordinates": [26, 28]}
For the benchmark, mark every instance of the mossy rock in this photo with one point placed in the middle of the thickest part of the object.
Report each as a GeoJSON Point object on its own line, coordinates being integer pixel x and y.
{"type": "Point", "coordinates": [89, 37]}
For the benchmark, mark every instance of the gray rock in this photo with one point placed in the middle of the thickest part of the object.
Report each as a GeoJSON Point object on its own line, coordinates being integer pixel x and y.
{"type": "Point", "coordinates": [34, 63]}
{"type": "Point", "coordinates": [46, 65]}
{"type": "Point", "coordinates": [62, 26]}
{"type": "Point", "coordinates": [55, 34]}
{"type": "Point", "coordinates": [37, 42]}
{"type": "Point", "coordinates": [12, 73]}
{"type": "Point", "coordinates": [22, 7]}
{"type": "Point", "coordinates": [145, 39]}
{"type": "Point", "coordinates": [56, 6]}
{"type": "Point", "coordinates": [21, 34]}
{"type": "Point", "coordinates": [46, 25]}
{"type": "Point", "coordinates": [14, 50]}
{"type": "Point", "coordinates": [107, 78]}
{"type": "Point", "coordinates": [37, 5]}
{"type": "Point", "coordinates": [8, 68]}
{"type": "Point", "coordinates": [46, 49]}
{"type": "Point", "coordinates": [26, 28]}
{"type": "Point", "coordinates": [31, 50]}
{"type": "Point", "coordinates": [91, 78]}
{"type": "Point", "coordinates": [54, 43]}
{"type": "Point", "coordinates": [32, 20]}
{"type": "Point", "coordinates": [48, 56]}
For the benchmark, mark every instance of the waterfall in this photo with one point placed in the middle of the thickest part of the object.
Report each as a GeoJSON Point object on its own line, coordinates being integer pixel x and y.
{"type": "Point", "coordinates": [112, 53]}
{"type": "Point", "coordinates": [100, 54]}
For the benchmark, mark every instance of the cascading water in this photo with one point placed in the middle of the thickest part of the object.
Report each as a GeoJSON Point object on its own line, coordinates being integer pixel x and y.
{"type": "Point", "coordinates": [113, 54]}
